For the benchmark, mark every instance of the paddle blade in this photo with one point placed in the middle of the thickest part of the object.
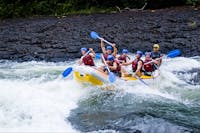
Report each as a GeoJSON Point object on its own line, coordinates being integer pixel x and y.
{"type": "Point", "coordinates": [94, 35]}
{"type": "Point", "coordinates": [98, 56]}
{"type": "Point", "coordinates": [111, 77]}
{"type": "Point", "coordinates": [174, 53]}
{"type": "Point", "coordinates": [67, 72]}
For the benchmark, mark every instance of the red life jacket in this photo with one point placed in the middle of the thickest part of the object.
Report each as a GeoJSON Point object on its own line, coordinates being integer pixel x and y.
{"type": "Point", "coordinates": [118, 67]}
{"type": "Point", "coordinates": [148, 67]}
{"type": "Point", "coordinates": [122, 58]}
{"type": "Point", "coordinates": [135, 64]}
{"type": "Point", "coordinates": [88, 60]}
{"type": "Point", "coordinates": [105, 56]}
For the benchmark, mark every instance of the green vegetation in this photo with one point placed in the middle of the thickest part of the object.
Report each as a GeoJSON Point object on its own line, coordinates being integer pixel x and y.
{"type": "Point", "coordinates": [193, 2]}
{"type": "Point", "coordinates": [23, 8]}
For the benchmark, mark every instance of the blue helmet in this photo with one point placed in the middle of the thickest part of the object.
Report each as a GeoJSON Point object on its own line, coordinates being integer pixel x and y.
{"type": "Point", "coordinates": [148, 53]}
{"type": "Point", "coordinates": [84, 49]}
{"type": "Point", "coordinates": [125, 51]}
{"type": "Point", "coordinates": [109, 48]}
{"type": "Point", "coordinates": [110, 57]}
{"type": "Point", "coordinates": [140, 53]}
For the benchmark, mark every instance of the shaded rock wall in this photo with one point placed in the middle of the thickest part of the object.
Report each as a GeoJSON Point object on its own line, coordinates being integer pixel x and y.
{"type": "Point", "coordinates": [60, 39]}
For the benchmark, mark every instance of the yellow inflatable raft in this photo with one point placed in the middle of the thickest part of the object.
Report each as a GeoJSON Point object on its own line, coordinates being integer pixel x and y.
{"type": "Point", "coordinates": [90, 75]}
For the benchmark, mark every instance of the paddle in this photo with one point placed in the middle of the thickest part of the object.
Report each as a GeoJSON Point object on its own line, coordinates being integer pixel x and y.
{"type": "Point", "coordinates": [95, 35]}
{"type": "Point", "coordinates": [70, 69]}
{"type": "Point", "coordinates": [67, 72]}
{"type": "Point", "coordinates": [111, 75]}
{"type": "Point", "coordinates": [171, 54]}
{"type": "Point", "coordinates": [98, 56]}
{"type": "Point", "coordinates": [141, 80]}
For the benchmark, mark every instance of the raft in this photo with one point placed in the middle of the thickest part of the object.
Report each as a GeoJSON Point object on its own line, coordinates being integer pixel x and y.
{"type": "Point", "coordinates": [92, 76]}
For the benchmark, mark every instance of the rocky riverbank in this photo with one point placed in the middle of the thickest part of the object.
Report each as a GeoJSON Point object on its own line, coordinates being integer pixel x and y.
{"type": "Point", "coordinates": [60, 39]}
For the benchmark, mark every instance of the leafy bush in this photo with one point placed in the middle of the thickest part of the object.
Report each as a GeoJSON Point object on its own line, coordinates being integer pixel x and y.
{"type": "Point", "coordinates": [193, 2]}
{"type": "Point", "coordinates": [23, 8]}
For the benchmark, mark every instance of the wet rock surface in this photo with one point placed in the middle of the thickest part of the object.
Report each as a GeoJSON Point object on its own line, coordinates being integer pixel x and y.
{"type": "Point", "coordinates": [60, 39]}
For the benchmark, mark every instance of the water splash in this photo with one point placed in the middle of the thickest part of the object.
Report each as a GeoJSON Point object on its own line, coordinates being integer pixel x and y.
{"type": "Point", "coordinates": [34, 97]}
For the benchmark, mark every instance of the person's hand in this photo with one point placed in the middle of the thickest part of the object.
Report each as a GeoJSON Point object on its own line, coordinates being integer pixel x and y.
{"type": "Point", "coordinates": [134, 75]}
{"type": "Point", "coordinates": [101, 39]}
{"type": "Point", "coordinates": [113, 45]}
{"type": "Point", "coordinates": [90, 49]}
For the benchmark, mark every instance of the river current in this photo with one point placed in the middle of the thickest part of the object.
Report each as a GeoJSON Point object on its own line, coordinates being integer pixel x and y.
{"type": "Point", "coordinates": [34, 97]}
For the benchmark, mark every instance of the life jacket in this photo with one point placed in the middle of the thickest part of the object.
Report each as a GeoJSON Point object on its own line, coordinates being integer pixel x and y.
{"type": "Point", "coordinates": [118, 66]}
{"type": "Point", "coordinates": [135, 64]}
{"type": "Point", "coordinates": [105, 56]}
{"type": "Point", "coordinates": [148, 67]}
{"type": "Point", "coordinates": [122, 58]}
{"type": "Point", "coordinates": [88, 60]}
{"type": "Point", "coordinates": [156, 55]}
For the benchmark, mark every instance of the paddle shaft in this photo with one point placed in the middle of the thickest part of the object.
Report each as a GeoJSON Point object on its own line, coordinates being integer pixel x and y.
{"type": "Point", "coordinates": [171, 54]}
{"type": "Point", "coordinates": [152, 61]}
{"type": "Point", "coordinates": [141, 80]}
{"type": "Point", "coordinates": [105, 41]}
{"type": "Point", "coordinates": [85, 54]}
{"type": "Point", "coordinates": [105, 63]}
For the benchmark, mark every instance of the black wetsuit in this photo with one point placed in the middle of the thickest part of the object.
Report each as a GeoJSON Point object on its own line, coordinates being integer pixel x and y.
{"type": "Point", "coordinates": [155, 55]}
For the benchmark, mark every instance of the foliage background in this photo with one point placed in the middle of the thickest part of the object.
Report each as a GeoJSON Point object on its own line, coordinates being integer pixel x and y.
{"type": "Point", "coordinates": [24, 8]}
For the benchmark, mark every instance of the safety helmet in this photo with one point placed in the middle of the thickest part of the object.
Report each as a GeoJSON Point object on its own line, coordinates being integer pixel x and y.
{"type": "Point", "coordinates": [148, 53]}
{"type": "Point", "coordinates": [124, 51]}
{"type": "Point", "coordinates": [109, 48]}
{"type": "Point", "coordinates": [140, 53]}
{"type": "Point", "coordinates": [156, 46]}
{"type": "Point", "coordinates": [110, 57]}
{"type": "Point", "coordinates": [84, 49]}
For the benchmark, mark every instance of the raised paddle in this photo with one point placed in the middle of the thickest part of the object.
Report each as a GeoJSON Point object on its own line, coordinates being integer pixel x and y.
{"type": "Point", "coordinates": [95, 35]}
{"type": "Point", "coordinates": [171, 54]}
{"type": "Point", "coordinates": [70, 69]}
{"type": "Point", "coordinates": [111, 75]}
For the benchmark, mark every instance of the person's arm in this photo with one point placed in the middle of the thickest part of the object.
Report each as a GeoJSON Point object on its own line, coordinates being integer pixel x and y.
{"type": "Point", "coordinates": [127, 59]}
{"type": "Point", "coordinates": [126, 64]}
{"type": "Point", "coordinates": [114, 50]}
{"type": "Point", "coordinates": [103, 47]}
{"type": "Point", "coordinates": [80, 62]}
{"type": "Point", "coordinates": [161, 56]}
{"type": "Point", "coordinates": [92, 53]}
{"type": "Point", "coordinates": [139, 66]}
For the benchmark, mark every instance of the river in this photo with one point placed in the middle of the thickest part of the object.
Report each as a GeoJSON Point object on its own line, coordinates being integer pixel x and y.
{"type": "Point", "coordinates": [34, 97]}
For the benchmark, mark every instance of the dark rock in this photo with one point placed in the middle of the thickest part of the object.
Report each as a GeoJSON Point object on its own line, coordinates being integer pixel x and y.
{"type": "Point", "coordinates": [59, 39]}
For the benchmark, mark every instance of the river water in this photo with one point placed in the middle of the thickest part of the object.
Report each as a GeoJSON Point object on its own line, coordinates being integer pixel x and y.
{"type": "Point", "coordinates": [34, 97]}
